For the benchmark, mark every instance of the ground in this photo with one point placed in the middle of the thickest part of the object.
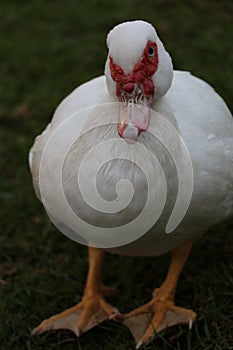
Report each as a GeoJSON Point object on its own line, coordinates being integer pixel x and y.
{"type": "Point", "coordinates": [46, 49]}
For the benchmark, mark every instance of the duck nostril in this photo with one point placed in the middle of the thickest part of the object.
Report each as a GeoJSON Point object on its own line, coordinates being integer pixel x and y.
{"type": "Point", "coordinates": [128, 87]}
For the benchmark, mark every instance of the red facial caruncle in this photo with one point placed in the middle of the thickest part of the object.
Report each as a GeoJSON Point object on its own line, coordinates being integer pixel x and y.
{"type": "Point", "coordinates": [135, 92]}
{"type": "Point", "coordinates": [142, 72]}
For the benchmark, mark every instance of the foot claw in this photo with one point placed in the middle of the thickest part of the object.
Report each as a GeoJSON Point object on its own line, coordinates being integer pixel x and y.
{"type": "Point", "coordinates": [115, 315]}
{"type": "Point", "coordinates": [139, 344]}
{"type": "Point", "coordinates": [190, 324]}
{"type": "Point", "coordinates": [35, 331]}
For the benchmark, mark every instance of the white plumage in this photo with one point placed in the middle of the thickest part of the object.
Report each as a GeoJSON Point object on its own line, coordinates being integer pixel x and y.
{"type": "Point", "coordinates": [206, 126]}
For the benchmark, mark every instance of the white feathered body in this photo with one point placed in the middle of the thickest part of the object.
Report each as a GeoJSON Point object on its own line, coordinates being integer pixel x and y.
{"type": "Point", "coordinates": [206, 126]}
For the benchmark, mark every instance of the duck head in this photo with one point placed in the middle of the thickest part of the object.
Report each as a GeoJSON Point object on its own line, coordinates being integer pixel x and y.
{"type": "Point", "coordinates": [138, 71]}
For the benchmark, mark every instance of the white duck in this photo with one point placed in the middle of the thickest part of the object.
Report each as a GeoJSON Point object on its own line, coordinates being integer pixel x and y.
{"type": "Point", "coordinates": [139, 72]}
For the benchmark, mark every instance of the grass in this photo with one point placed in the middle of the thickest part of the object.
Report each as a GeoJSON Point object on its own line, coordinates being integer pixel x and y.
{"type": "Point", "coordinates": [46, 49]}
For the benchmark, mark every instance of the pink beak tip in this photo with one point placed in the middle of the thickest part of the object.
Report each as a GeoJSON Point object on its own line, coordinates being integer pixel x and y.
{"type": "Point", "coordinates": [130, 132]}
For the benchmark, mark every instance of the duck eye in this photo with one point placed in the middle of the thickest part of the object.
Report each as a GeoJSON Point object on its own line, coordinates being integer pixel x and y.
{"type": "Point", "coordinates": [151, 51]}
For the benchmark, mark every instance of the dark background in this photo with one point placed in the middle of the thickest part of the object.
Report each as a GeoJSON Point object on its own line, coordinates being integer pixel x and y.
{"type": "Point", "coordinates": [47, 48]}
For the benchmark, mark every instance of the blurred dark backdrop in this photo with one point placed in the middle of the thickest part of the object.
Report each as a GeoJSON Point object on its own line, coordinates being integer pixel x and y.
{"type": "Point", "coordinates": [47, 48]}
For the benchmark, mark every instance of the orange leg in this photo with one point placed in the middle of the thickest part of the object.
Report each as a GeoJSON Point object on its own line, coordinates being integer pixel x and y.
{"type": "Point", "coordinates": [93, 308]}
{"type": "Point", "coordinates": [161, 312]}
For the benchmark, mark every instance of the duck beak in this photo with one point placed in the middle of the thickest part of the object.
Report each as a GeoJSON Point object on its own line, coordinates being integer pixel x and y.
{"type": "Point", "coordinates": [134, 114]}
